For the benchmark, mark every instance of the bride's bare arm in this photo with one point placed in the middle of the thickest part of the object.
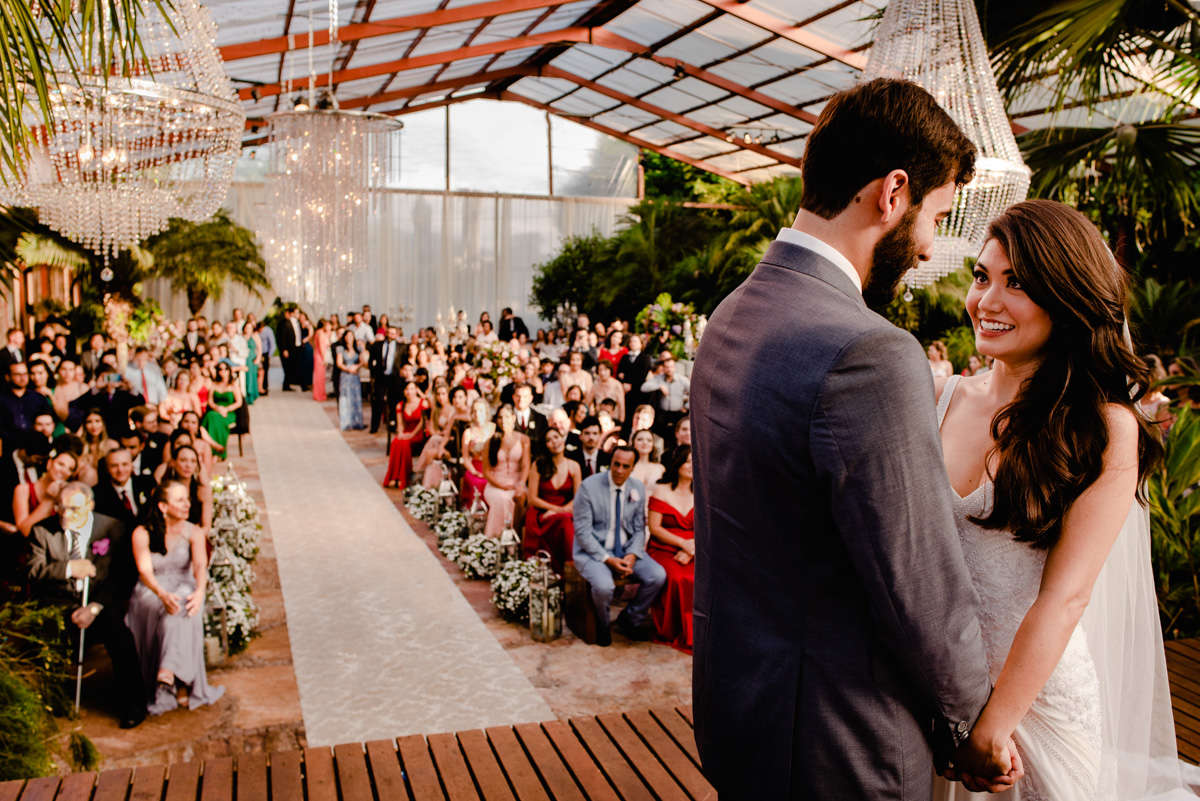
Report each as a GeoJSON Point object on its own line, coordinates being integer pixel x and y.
{"type": "Point", "coordinates": [1089, 530]}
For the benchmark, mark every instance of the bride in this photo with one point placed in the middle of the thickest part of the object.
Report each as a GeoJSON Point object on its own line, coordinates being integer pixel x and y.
{"type": "Point", "coordinates": [1049, 457]}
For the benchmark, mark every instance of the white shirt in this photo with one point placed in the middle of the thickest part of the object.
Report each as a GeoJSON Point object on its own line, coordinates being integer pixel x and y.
{"type": "Point", "coordinates": [85, 537]}
{"type": "Point", "coordinates": [592, 462]}
{"type": "Point", "coordinates": [363, 332]}
{"type": "Point", "coordinates": [127, 488]}
{"type": "Point", "coordinates": [824, 249]}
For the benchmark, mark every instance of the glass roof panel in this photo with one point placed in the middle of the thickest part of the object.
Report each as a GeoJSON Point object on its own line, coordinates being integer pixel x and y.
{"type": "Point", "coordinates": [630, 82]}
{"type": "Point", "coordinates": [697, 49]}
{"type": "Point", "coordinates": [732, 32]}
{"type": "Point", "coordinates": [747, 108]}
{"type": "Point", "coordinates": [851, 26]}
{"type": "Point", "coordinates": [741, 160]}
{"type": "Point", "coordinates": [363, 87]}
{"type": "Point", "coordinates": [509, 25]}
{"type": "Point", "coordinates": [794, 148]}
{"type": "Point", "coordinates": [834, 76]}
{"type": "Point", "coordinates": [701, 90]}
{"type": "Point", "coordinates": [793, 11]}
{"type": "Point", "coordinates": [768, 173]}
{"type": "Point", "coordinates": [382, 48]}
{"type": "Point", "coordinates": [445, 37]}
{"type": "Point", "coordinates": [702, 148]}
{"type": "Point", "coordinates": [512, 58]}
{"type": "Point", "coordinates": [672, 130]}
{"type": "Point", "coordinates": [673, 99]}
{"type": "Point", "coordinates": [248, 27]}
{"type": "Point", "coordinates": [796, 89]}
{"type": "Point", "coordinates": [584, 101]}
{"type": "Point", "coordinates": [587, 61]}
{"type": "Point", "coordinates": [564, 17]}
{"type": "Point", "coordinates": [643, 25]}
{"type": "Point", "coordinates": [411, 77]}
{"type": "Point", "coordinates": [542, 89]}
{"type": "Point", "coordinates": [786, 124]}
{"type": "Point", "coordinates": [625, 118]}
{"type": "Point", "coordinates": [717, 115]}
{"type": "Point", "coordinates": [466, 66]}
{"type": "Point", "coordinates": [386, 9]}
{"type": "Point", "coordinates": [655, 135]}
{"type": "Point", "coordinates": [259, 68]}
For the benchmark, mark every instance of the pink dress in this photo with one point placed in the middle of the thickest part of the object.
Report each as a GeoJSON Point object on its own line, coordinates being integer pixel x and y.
{"type": "Point", "coordinates": [501, 506]}
{"type": "Point", "coordinates": [318, 379]}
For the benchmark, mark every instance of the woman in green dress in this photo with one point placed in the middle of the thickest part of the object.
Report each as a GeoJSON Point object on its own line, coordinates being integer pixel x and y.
{"type": "Point", "coordinates": [223, 403]}
{"type": "Point", "coordinates": [252, 363]}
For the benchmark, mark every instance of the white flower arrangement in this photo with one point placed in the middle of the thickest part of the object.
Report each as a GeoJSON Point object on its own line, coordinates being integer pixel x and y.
{"type": "Point", "coordinates": [479, 556]}
{"type": "Point", "coordinates": [450, 548]}
{"type": "Point", "coordinates": [510, 589]}
{"type": "Point", "coordinates": [423, 505]}
{"type": "Point", "coordinates": [235, 538]}
{"type": "Point", "coordinates": [452, 525]}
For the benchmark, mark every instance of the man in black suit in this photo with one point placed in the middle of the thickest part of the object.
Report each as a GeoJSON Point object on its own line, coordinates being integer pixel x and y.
{"type": "Point", "coordinates": [95, 548]}
{"type": "Point", "coordinates": [530, 422]}
{"type": "Point", "coordinates": [591, 459]}
{"type": "Point", "coordinates": [111, 398]}
{"type": "Point", "coordinates": [385, 359]}
{"type": "Point", "coordinates": [92, 358]}
{"type": "Point", "coordinates": [288, 337]}
{"type": "Point", "coordinates": [192, 340]}
{"type": "Point", "coordinates": [19, 404]}
{"type": "Point", "coordinates": [632, 371]}
{"type": "Point", "coordinates": [511, 326]}
{"type": "Point", "coordinates": [14, 350]}
{"type": "Point", "coordinates": [122, 494]}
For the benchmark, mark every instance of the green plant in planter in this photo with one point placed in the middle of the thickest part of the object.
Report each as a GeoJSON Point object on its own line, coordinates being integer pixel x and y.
{"type": "Point", "coordinates": [1174, 496]}
{"type": "Point", "coordinates": [24, 728]}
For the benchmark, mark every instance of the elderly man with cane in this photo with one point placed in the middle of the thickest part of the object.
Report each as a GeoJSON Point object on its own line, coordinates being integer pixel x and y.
{"type": "Point", "coordinates": [84, 566]}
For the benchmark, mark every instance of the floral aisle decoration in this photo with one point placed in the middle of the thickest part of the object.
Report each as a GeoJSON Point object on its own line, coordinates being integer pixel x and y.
{"type": "Point", "coordinates": [478, 556]}
{"type": "Point", "coordinates": [671, 326]}
{"type": "Point", "coordinates": [452, 525]}
{"type": "Point", "coordinates": [499, 362]}
{"type": "Point", "coordinates": [422, 503]}
{"type": "Point", "coordinates": [451, 548]}
{"type": "Point", "coordinates": [235, 539]}
{"type": "Point", "coordinates": [510, 589]}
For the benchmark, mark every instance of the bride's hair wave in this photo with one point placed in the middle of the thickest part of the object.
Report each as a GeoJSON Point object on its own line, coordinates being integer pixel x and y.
{"type": "Point", "coordinates": [1050, 439]}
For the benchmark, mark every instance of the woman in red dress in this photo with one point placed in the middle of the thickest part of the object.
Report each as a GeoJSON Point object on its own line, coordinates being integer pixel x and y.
{"type": "Point", "coordinates": [413, 423]}
{"type": "Point", "coordinates": [549, 521]}
{"type": "Point", "coordinates": [613, 351]}
{"type": "Point", "coordinates": [673, 545]}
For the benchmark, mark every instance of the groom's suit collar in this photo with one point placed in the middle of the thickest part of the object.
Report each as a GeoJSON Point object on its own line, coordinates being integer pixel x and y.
{"type": "Point", "coordinates": [802, 260]}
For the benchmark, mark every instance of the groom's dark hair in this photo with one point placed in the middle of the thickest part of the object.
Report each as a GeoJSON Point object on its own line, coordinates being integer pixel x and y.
{"type": "Point", "coordinates": [879, 126]}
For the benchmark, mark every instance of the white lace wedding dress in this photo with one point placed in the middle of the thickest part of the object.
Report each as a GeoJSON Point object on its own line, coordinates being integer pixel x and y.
{"type": "Point", "coordinates": [1071, 752]}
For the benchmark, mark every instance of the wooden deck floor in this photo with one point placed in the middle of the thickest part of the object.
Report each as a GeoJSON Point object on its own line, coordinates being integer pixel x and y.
{"type": "Point", "coordinates": [632, 757]}
{"type": "Point", "coordinates": [640, 756]}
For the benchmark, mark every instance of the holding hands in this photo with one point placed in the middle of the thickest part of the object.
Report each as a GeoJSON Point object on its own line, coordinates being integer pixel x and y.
{"type": "Point", "coordinates": [986, 764]}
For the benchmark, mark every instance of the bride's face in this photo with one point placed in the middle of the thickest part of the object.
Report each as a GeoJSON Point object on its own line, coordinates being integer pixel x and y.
{"type": "Point", "coordinates": [1008, 324]}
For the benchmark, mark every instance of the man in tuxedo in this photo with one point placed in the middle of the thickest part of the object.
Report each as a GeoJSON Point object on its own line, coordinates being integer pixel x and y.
{"type": "Point", "coordinates": [609, 514]}
{"type": "Point", "coordinates": [289, 337]}
{"type": "Point", "coordinates": [92, 358]}
{"type": "Point", "coordinates": [19, 404]}
{"type": "Point", "coordinates": [122, 494]}
{"type": "Point", "coordinates": [511, 326]}
{"type": "Point", "coordinates": [591, 459]}
{"type": "Point", "coordinates": [632, 371]}
{"type": "Point", "coordinates": [95, 548]}
{"type": "Point", "coordinates": [530, 422]}
{"type": "Point", "coordinates": [561, 422]}
{"type": "Point", "coordinates": [266, 336]}
{"type": "Point", "coordinates": [192, 339]}
{"type": "Point", "coordinates": [14, 349]}
{"type": "Point", "coordinates": [369, 317]}
{"type": "Point", "coordinates": [111, 398]}
{"type": "Point", "coordinates": [837, 642]}
{"type": "Point", "coordinates": [385, 360]}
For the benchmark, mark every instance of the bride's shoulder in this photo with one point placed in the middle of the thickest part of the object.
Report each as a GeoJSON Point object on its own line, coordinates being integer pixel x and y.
{"type": "Point", "coordinates": [1122, 426]}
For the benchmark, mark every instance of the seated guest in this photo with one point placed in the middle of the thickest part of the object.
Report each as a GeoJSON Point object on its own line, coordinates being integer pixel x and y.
{"type": "Point", "coordinates": [19, 404]}
{"type": "Point", "coordinates": [145, 422]}
{"type": "Point", "coordinates": [184, 467]}
{"type": "Point", "coordinates": [506, 468]}
{"type": "Point", "coordinates": [68, 388]}
{"type": "Point", "coordinates": [35, 502]}
{"type": "Point", "coordinates": [96, 444]}
{"type": "Point", "coordinates": [87, 546]}
{"type": "Point", "coordinates": [166, 610]}
{"type": "Point", "coordinates": [109, 397]}
{"type": "Point", "coordinates": [549, 522]}
{"type": "Point", "coordinates": [608, 388]}
{"type": "Point", "coordinates": [443, 445]}
{"type": "Point", "coordinates": [135, 443]}
{"type": "Point", "coordinates": [683, 432]}
{"type": "Point", "coordinates": [647, 469]}
{"type": "Point", "coordinates": [45, 427]}
{"type": "Point", "coordinates": [179, 399]}
{"type": "Point", "coordinates": [223, 404]}
{"type": "Point", "coordinates": [122, 494]}
{"type": "Point", "coordinates": [643, 417]}
{"type": "Point", "coordinates": [529, 421]}
{"type": "Point", "coordinates": [669, 390]}
{"type": "Point", "coordinates": [554, 391]}
{"type": "Point", "coordinates": [591, 458]}
{"type": "Point", "coordinates": [610, 539]}
{"type": "Point", "coordinates": [190, 422]}
{"type": "Point", "coordinates": [413, 425]}
{"type": "Point", "coordinates": [673, 545]}
{"type": "Point", "coordinates": [473, 447]}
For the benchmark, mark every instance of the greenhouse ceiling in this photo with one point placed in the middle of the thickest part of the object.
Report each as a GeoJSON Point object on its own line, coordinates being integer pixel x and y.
{"type": "Point", "coordinates": [730, 87]}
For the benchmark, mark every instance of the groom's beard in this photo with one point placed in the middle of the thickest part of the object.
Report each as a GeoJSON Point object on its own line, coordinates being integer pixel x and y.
{"type": "Point", "coordinates": [895, 255]}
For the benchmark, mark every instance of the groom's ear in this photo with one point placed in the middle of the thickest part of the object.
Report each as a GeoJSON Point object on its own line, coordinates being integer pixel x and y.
{"type": "Point", "coordinates": [893, 196]}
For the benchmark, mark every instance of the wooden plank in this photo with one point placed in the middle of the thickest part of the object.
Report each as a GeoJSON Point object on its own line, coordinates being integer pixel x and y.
{"type": "Point", "coordinates": [606, 755]}
{"type": "Point", "coordinates": [550, 765]}
{"type": "Point", "coordinates": [148, 783]}
{"type": "Point", "coordinates": [287, 783]}
{"type": "Point", "coordinates": [385, 769]}
{"type": "Point", "coordinates": [521, 773]}
{"type": "Point", "coordinates": [216, 783]}
{"type": "Point", "coordinates": [353, 780]}
{"type": "Point", "coordinates": [449, 760]}
{"type": "Point", "coordinates": [40, 789]}
{"type": "Point", "coordinates": [252, 777]}
{"type": "Point", "coordinates": [183, 782]}
{"type": "Point", "coordinates": [319, 778]}
{"type": "Point", "coordinates": [680, 731]}
{"type": "Point", "coordinates": [653, 773]}
{"type": "Point", "coordinates": [1191, 647]}
{"type": "Point", "coordinates": [673, 758]}
{"type": "Point", "coordinates": [493, 785]}
{"type": "Point", "coordinates": [78, 787]}
{"type": "Point", "coordinates": [685, 712]}
{"type": "Point", "coordinates": [418, 766]}
{"type": "Point", "coordinates": [11, 789]}
{"type": "Point", "coordinates": [595, 785]}
{"type": "Point", "coordinates": [113, 785]}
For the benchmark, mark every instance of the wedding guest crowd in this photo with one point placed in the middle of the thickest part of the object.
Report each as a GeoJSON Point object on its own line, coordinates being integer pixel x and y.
{"type": "Point", "coordinates": [106, 457]}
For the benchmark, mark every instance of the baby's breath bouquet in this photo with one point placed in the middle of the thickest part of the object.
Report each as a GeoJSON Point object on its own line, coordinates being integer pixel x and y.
{"type": "Point", "coordinates": [479, 556]}
{"type": "Point", "coordinates": [452, 525]}
{"type": "Point", "coordinates": [451, 547]}
{"type": "Point", "coordinates": [423, 505]}
{"type": "Point", "coordinates": [510, 589]}
{"type": "Point", "coordinates": [235, 539]}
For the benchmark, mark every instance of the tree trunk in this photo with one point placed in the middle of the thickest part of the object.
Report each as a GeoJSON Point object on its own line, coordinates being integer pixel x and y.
{"type": "Point", "coordinates": [196, 300]}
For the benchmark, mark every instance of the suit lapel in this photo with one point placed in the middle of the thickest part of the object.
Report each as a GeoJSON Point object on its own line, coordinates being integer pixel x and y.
{"type": "Point", "coordinates": [803, 260]}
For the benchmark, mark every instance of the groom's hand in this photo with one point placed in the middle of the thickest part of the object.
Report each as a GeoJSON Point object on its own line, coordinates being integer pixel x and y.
{"type": "Point", "coordinates": [987, 767]}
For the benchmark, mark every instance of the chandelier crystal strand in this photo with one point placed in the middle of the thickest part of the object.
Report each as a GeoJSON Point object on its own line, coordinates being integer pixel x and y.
{"type": "Point", "coordinates": [126, 155]}
{"type": "Point", "coordinates": [938, 45]}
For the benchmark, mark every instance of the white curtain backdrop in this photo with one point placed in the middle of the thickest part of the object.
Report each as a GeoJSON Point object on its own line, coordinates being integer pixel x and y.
{"type": "Point", "coordinates": [430, 251]}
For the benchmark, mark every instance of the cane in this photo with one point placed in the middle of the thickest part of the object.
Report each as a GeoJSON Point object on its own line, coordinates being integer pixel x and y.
{"type": "Point", "coordinates": [79, 663]}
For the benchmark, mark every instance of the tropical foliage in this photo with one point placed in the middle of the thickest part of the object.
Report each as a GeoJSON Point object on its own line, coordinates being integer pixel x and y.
{"type": "Point", "coordinates": [202, 259]}
{"type": "Point", "coordinates": [1175, 527]}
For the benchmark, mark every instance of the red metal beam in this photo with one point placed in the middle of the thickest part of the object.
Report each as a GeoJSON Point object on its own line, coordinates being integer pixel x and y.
{"type": "Point", "coordinates": [633, 140]}
{"type": "Point", "coordinates": [786, 30]}
{"type": "Point", "coordinates": [566, 35]}
{"type": "Point", "coordinates": [383, 27]}
{"type": "Point", "coordinates": [659, 111]}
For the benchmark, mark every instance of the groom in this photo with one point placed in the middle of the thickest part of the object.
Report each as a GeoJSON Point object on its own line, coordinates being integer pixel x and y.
{"type": "Point", "coordinates": [836, 642]}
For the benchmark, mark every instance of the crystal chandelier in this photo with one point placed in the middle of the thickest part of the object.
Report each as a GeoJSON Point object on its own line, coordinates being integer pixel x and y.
{"type": "Point", "coordinates": [938, 45]}
{"type": "Point", "coordinates": [158, 139]}
{"type": "Point", "coordinates": [324, 166]}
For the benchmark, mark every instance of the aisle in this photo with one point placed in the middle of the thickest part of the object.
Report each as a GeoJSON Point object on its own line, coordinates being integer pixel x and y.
{"type": "Point", "coordinates": [383, 644]}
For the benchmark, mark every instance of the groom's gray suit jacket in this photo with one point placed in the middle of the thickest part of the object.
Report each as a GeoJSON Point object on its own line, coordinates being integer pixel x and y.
{"type": "Point", "coordinates": [836, 636]}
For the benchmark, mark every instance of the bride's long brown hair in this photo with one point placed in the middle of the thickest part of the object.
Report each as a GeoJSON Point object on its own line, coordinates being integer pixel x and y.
{"type": "Point", "coordinates": [1050, 439]}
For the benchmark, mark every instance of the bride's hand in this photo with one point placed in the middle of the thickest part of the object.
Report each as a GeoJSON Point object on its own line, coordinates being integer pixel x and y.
{"type": "Point", "coordinates": [985, 767]}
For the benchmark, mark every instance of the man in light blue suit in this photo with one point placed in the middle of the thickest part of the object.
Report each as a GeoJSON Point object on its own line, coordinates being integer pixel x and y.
{"type": "Point", "coordinates": [610, 539]}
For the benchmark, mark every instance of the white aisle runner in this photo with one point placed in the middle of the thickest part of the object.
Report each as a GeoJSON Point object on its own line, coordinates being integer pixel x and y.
{"type": "Point", "coordinates": [383, 643]}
